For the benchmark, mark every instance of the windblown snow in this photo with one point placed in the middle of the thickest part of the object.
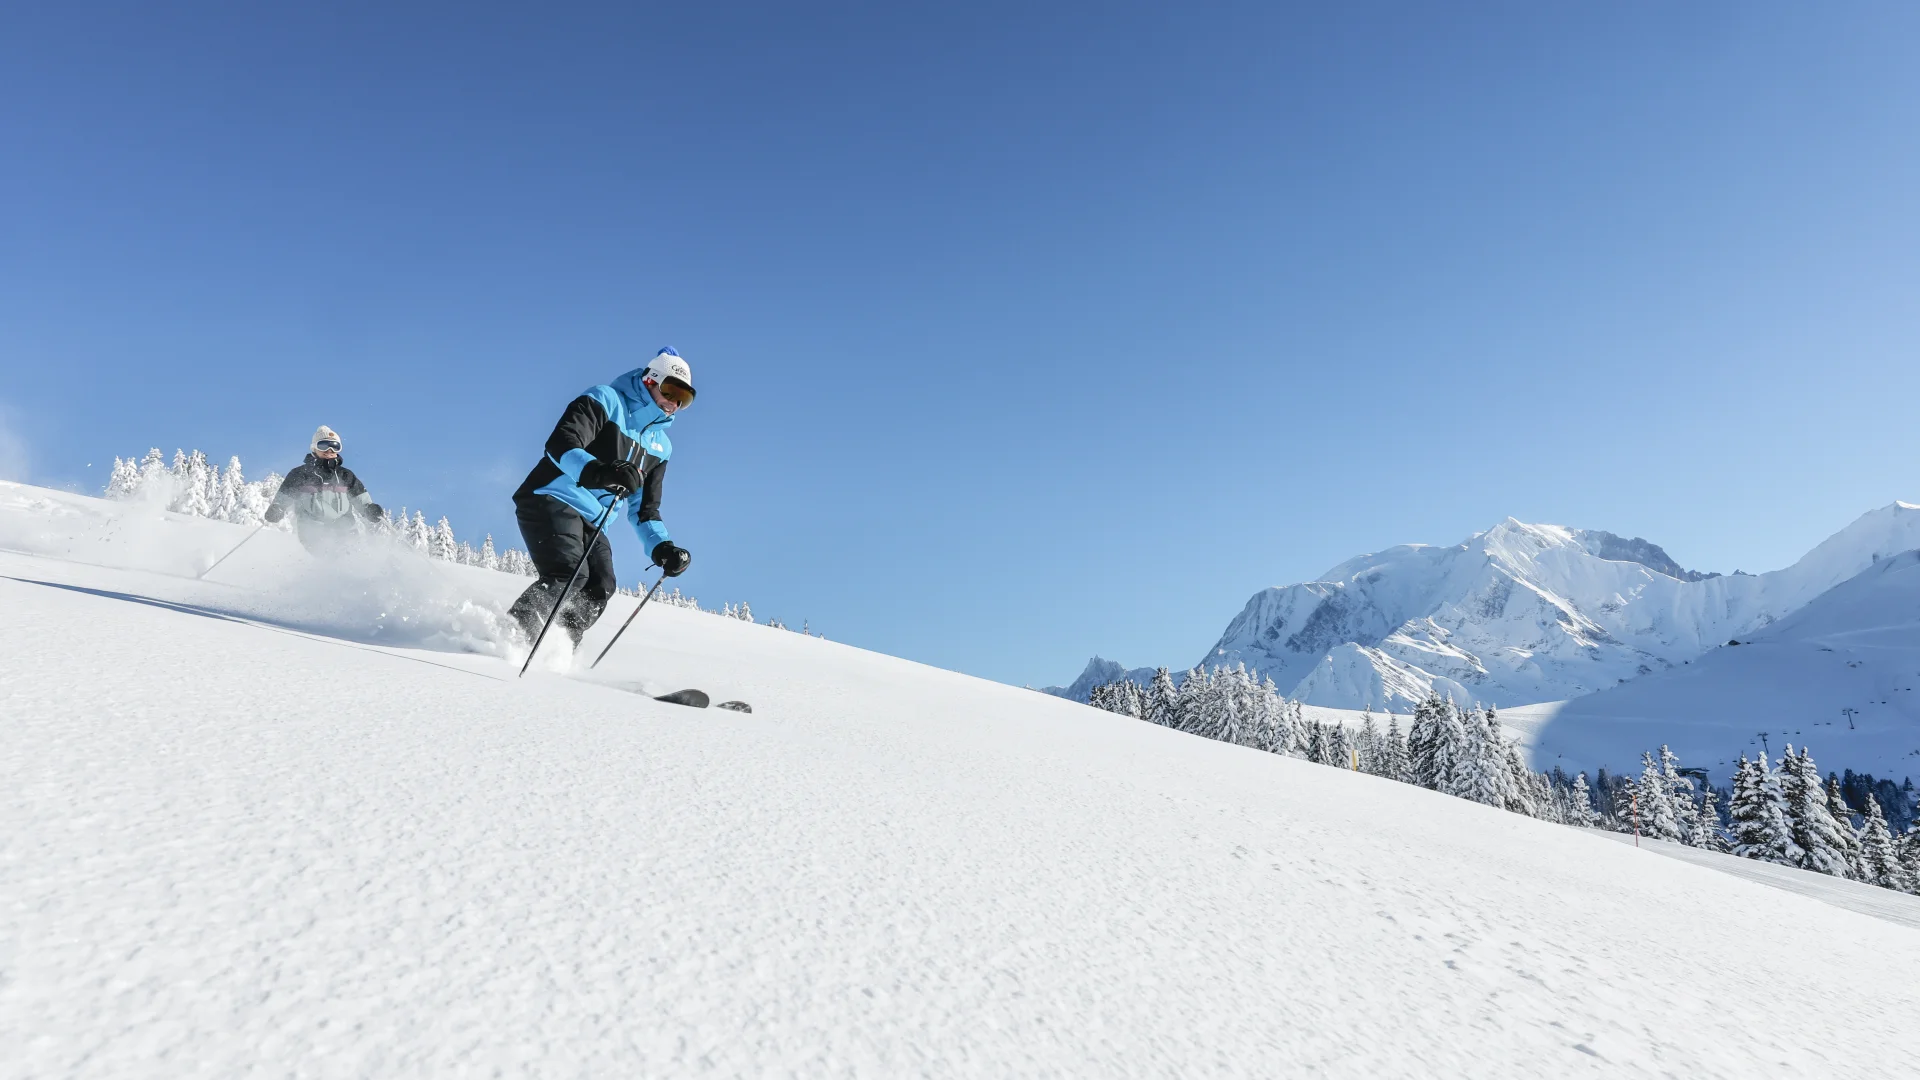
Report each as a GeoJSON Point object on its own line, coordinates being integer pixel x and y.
{"type": "Point", "coordinates": [300, 819]}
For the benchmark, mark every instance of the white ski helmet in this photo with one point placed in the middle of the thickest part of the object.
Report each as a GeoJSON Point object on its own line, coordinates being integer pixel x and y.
{"type": "Point", "coordinates": [321, 434]}
{"type": "Point", "coordinates": [667, 366]}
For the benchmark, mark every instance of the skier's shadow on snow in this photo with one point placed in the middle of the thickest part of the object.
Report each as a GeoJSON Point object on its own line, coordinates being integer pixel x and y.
{"type": "Point", "coordinates": [166, 605]}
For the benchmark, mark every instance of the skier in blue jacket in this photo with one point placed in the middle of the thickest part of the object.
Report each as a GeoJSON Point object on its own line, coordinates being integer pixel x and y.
{"type": "Point", "coordinates": [609, 447]}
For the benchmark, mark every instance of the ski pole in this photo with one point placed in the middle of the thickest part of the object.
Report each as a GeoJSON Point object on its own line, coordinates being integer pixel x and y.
{"type": "Point", "coordinates": [623, 626]}
{"type": "Point", "coordinates": [229, 554]}
{"type": "Point", "coordinates": [593, 537]}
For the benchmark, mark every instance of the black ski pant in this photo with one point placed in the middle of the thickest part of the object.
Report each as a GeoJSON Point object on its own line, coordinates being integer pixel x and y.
{"type": "Point", "coordinates": [555, 536]}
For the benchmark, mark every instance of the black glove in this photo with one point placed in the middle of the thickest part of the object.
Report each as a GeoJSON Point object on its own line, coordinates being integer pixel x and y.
{"type": "Point", "coordinates": [674, 560]}
{"type": "Point", "coordinates": [373, 512]}
{"type": "Point", "coordinates": [620, 477]}
{"type": "Point", "coordinates": [273, 514]}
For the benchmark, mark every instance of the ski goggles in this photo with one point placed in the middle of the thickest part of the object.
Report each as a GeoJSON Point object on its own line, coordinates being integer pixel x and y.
{"type": "Point", "coordinates": [676, 391]}
{"type": "Point", "coordinates": [328, 444]}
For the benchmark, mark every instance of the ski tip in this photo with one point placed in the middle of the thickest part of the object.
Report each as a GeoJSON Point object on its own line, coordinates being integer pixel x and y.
{"type": "Point", "coordinates": [695, 698]}
{"type": "Point", "coordinates": [736, 706]}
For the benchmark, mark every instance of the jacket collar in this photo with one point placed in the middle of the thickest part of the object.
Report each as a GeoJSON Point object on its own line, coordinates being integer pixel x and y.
{"type": "Point", "coordinates": [640, 407]}
{"type": "Point", "coordinates": [338, 462]}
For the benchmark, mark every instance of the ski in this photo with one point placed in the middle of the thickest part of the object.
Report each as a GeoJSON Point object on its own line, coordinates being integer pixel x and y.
{"type": "Point", "coordinates": [690, 697]}
{"type": "Point", "coordinates": [698, 699]}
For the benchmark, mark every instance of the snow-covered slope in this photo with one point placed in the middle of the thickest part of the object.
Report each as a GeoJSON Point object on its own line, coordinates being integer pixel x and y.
{"type": "Point", "coordinates": [1524, 613]}
{"type": "Point", "coordinates": [1841, 674]}
{"type": "Point", "coordinates": [237, 839]}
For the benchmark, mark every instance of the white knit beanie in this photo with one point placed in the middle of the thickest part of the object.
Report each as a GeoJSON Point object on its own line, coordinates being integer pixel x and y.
{"type": "Point", "coordinates": [324, 432]}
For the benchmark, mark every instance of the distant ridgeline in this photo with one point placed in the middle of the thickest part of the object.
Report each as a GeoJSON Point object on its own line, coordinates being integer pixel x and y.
{"type": "Point", "coordinates": [1785, 815]}
{"type": "Point", "coordinates": [193, 485]}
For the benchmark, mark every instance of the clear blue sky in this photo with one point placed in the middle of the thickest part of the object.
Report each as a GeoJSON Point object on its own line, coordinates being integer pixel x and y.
{"type": "Point", "coordinates": [1023, 331]}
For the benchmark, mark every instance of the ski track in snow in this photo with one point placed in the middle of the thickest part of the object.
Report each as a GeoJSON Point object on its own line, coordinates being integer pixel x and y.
{"type": "Point", "coordinates": [231, 850]}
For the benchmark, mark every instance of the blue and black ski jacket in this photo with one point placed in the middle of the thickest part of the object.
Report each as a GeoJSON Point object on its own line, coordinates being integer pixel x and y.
{"type": "Point", "coordinates": [612, 422]}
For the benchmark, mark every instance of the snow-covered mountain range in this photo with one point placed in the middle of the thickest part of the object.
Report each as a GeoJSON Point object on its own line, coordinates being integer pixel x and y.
{"type": "Point", "coordinates": [1842, 674]}
{"type": "Point", "coordinates": [1523, 613]}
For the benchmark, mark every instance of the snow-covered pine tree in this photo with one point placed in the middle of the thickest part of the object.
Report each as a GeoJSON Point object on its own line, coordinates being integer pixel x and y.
{"type": "Point", "coordinates": [1163, 700]}
{"type": "Point", "coordinates": [1192, 704]}
{"type": "Point", "coordinates": [259, 496]}
{"type": "Point", "coordinates": [221, 494]}
{"type": "Point", "coordinates": [1538, 802]}
{"type": "Point", "coordinates": [420, 534]}
{"type": "Point", "coordinates": [1559, 805]}
{"type": "Point", "coordinates": [1264, 716]}
{"type": "Point", "coordinates": [441, 544]}
{"type": "Point", "coordinates": [1119, 697]}
{"type": "Point", "coordinates": [192, 485]}
{"type": "Point", "coordinates": [1849, 837]}
{"type": "Point", "coordinates": [1366, 743]}
{"type": "Point", "coordinates": [1449, 743]}
{"type": "Point", "coordinates": [1526, 791]}
{"type": "Point", "coordinates": [1422, 735]}
{"type": "Point", "coordinates": [1225, 720]}
{"type": "Point", "coordinates": [1655, 803]}
{"type": "Point", "coordinates": [489, 558]}
{"type": "Point", "coordinates": [1815, 832]}
{"type": "Point", "coordinates": [124, 480]}
{"type": "Point", "coordinates": [1679, 789]}
{"type": "Point", "coordinates": [1313, 742]}
{"type": "Point", "coordinates": [1235, 707]}
{"type": "Point", "coordinates": [1476, 769]}
{"type": "Point", "coordinates": [230, 494]}
{"type": "Point", "coordinates": [1219, 702]}
{"type": "Point", "coordinates": [177, 480]}
{"type": "Point", "coordinates": [1707, 831]}
{"type": "Point", "coordinates": [1101, 697]}
{"type": "Point", "coordinates": [155, 482]}
{"type": "Point", "coordinates": [1394, 763]}
{"type": "Point", "coordinates": [1339, 746]}
{"type": "Point", "coordinates": [1256, 711]}
{"type": "Point", "coordinates": [1283, 729]}
{"type": "Point", "coordinates": [1260, 706]}
{"type": "Point", "coordinates": [1580, 809]}
{"type": "Point", "coordinates": [1758, 814]}
{"type": "Point", "coordinates": [207, 478]}
{"type": "Point", "coordinates": [744, 612]}
{"type": "Point", "coordinates": [1906, 848]}
{"type": "Point", "coordinates": [1879, 862]}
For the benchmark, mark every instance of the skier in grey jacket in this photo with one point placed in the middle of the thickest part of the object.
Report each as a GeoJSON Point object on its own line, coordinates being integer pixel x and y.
{"type": "Point", "coordinates": [324, 497]}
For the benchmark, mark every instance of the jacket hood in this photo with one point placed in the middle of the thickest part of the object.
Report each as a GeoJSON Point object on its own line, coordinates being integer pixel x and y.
{"type": "Point", "coordinates": [640, 404]}
{"type": "Point", "coordinates": [339, 462]}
